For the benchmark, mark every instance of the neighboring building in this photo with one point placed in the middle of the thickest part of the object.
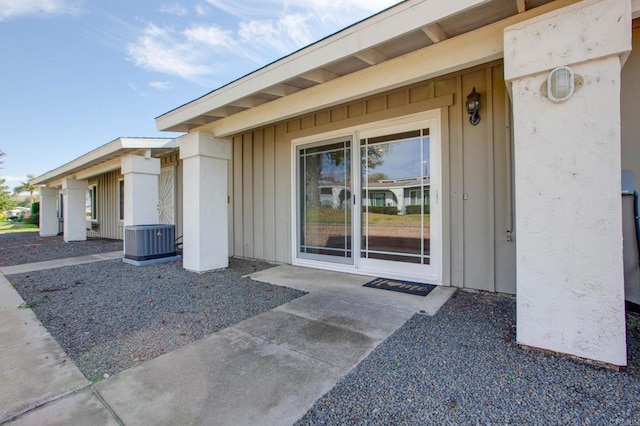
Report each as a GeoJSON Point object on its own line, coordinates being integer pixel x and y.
{"type": "Point", "coordinates": [524, 201]}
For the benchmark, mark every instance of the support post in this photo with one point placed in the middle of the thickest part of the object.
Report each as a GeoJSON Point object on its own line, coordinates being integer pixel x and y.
{"type": "Point", "coordinates": [49, 221]}
{"type": "Point", "coordinates": [140, 190]}
{"type": "Point", "coordinates": [74, 197]}
{"type": "Point", "coordinates": [205, 222]}
{"type": "Point", "coordinates": [570, 287]}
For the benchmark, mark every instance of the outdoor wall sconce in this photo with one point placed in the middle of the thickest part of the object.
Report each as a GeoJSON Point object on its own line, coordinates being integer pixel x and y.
{"type": "Point", "coordinates": [560, 84]}
{"type": "Point", "coordinates": [473, 107]}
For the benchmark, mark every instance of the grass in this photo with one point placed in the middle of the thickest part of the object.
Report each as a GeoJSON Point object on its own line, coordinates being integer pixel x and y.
{"type": "Point", "coordinates": [328, 215]}
{"type": "Point", "coordinates": [9, 227]}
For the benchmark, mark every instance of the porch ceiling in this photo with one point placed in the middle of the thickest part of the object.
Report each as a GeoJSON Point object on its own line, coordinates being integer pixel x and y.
{"type": "Point", "coordinates": [407, 27]}
{"type": "Point", "coordinates": [107, 155]}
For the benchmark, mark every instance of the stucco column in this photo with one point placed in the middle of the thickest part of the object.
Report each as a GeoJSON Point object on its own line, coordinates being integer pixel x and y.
{"type": "Point", "coordinates": [205, 222]}
{"type": "Point", "coordinates": [48, 211]}
{"type": "Point", "coordinates": [570, 287]}
{"type": "Point", "coordinates": [140, 190]}
{"type": "Point", "coordinates": [74, 197]}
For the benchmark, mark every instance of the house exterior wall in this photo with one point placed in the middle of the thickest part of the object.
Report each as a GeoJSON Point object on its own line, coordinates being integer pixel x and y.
{"type": "Point", "coordinates": [630, 105]}
{"type": "Point", "coordinates": [108, 223]}
{"type": "Point", "coordinates": [109, 226]}
{"type": "Point", "coordinates": [172, 160]}
{"type": "Point", "coordinates": [476, 162]}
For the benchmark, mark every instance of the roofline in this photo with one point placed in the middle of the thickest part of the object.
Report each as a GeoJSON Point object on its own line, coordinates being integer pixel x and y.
{"type": "Point", "coordinates": [409, 15]}
{"type": "Point", "coordinates": [103, 151]}
{"type": "Point", "coordinates": [282, 58]}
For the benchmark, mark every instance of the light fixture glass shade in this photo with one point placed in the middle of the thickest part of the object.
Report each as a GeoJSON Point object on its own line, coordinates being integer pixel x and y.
{"type": "Point", "coordinates": [560, 84]}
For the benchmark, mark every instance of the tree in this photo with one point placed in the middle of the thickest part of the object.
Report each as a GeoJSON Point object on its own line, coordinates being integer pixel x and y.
{"type": "Point", "coordinates": [27, 187]}
{"type": "Point", "coordinates": [2, 154]}
{"type": "Point", "coordinates": [6, 202]}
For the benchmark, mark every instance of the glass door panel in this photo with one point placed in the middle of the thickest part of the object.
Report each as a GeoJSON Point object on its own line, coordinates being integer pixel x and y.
{"type": "Point", "coordinates": [324, 202]}
{"type": "Point", "coordinates": [395, 190]}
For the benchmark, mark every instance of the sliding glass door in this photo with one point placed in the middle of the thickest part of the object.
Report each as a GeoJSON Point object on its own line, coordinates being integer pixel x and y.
{"type": "Point", "coordinates": [325, 200]}
{"type": "Point", "coordinates": [380, 214]}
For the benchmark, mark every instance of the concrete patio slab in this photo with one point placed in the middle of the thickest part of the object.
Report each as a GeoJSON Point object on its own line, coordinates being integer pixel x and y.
{"type": "Point", "coordinates": [351, 285]}
{"type": "Point", "coordinates": [348, 312]}
{"type": "Point", "coordinates": [78, 409]}
{"type": "Point", "coordinates": [59, 263]}
{"type": "Point", "coordinates": [34, 369]}
{"type": "Point", "coordinates": [228, 378]}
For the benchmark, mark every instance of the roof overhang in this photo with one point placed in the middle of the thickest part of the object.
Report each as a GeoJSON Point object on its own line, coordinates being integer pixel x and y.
{"type": "Point", "coordinates": [105, 158]}
{"type": "Point", "coordinates": [376, 43]}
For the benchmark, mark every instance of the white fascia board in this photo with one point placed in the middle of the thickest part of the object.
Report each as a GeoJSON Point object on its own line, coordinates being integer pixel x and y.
{"type": "Point", "coordinates": [394, 22]}
{"type": "Point", "coordinates": [83, 162]}
{"type": "Point", "coordinates": [464, 51]}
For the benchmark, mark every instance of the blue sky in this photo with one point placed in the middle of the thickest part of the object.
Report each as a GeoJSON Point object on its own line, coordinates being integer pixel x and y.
{"type": "Point", "coordinates": [77, 74]}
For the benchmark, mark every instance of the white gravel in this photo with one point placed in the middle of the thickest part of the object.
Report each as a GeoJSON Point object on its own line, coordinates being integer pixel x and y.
{"type": "Point", "coordinates": [462, 367]}
{"type": "Point", "coordinates": [109, 316]}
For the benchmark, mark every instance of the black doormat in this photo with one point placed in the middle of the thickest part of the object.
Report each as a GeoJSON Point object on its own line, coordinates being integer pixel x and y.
{"type": "Point", "coordinates": [409, 287]}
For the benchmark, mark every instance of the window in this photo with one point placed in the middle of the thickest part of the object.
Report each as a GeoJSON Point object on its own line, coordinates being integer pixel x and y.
{"type": "Point", "coordinates": [121, 199]}
{"type": "Point", "coordinates": [415, 200]}
{"type": "Point", "coordinates": [90, 204]}
{"type": "Point", "coordinates": [377, 199]}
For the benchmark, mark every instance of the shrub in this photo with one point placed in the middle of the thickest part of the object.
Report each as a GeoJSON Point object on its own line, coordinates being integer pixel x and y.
{"type": "Point", "coordinates": [34, 219]}
{"type": "Point", "coordinates": [417, 209]}
{"type": "Point", "coordinates": [35, 208]}
{"type": "Point", "coordinates": [383, 210]}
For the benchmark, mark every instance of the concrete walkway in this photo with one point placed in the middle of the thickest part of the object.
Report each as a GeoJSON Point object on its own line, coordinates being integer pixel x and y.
{"type": "Point", "coordinates": [269, 369]}
{"type": "Point", "coordinates": [59, 263]}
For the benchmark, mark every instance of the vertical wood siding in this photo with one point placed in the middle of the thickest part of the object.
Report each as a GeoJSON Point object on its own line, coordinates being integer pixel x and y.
{"type": "Point", "coordinates": [478, 253]}
{"type": "Point", "coordinates": [109, 225]}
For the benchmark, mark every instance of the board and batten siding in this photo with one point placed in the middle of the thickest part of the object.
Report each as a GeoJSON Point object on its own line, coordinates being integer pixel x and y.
{"type": "Point", "coordinates": [477, 201]}
{"type": "Point", "coordinates": [109, 224]}
{"type": "Point", "coordinates": [107, 184]}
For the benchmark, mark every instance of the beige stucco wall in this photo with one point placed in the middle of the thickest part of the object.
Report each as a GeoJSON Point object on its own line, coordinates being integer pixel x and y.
{"type": "Point", "coordinates": [476, 162]}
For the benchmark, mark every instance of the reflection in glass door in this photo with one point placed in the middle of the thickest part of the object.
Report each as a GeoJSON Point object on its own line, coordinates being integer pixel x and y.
{"type": "Point", "coordinates": [395, 190]}
{"type": "Point", "coordinates": [324, 202]}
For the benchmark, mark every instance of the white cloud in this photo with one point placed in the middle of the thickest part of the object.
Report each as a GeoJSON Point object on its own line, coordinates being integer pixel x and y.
{"type": "Point", "coordinates": [201, 9]}
{"type": "Point", "coordinates": [164, 50]}
{"type": "Point", "coordinates": [13, 9]}
{"type": "Point", "coordinates": [174, 9]}
{"type": "Point", "coordinates": [210, 35]}
{"type": "Point", "coordinates": [160, 85]}
{"type": "Point", "coordinates": [262, 31]}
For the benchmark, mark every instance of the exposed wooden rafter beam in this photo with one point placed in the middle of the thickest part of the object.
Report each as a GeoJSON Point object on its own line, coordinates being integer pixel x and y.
{"type": "Point", "coordinates": [371, 57]}
{"type": "Point", "coordinates": [435, 33]}
{"type": "Point", "coordinates": [280, 90]}
{"type": "Point", "coordinates": [248, 102]}
{"type": "Point", "coordinates": [319, 76]}
{"type": "Point", "coordinates": [522, 5]}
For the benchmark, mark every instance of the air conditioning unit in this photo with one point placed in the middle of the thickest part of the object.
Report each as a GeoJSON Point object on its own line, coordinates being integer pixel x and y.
{"type": "Point", "coordinates": [149, 242]}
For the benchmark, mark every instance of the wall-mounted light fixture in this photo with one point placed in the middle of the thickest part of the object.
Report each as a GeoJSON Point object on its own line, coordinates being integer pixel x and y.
{"type": "Point", "coordinates": [560, 84]}
{"type": "Point", "coordinates": [473, 107]}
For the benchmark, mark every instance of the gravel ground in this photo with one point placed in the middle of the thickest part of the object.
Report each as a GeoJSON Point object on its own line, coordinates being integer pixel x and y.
{"type": "Point", "coordinates": [462, 367]}
{"type": "Point", "coordinates": [109, 316]}
{"type": "Point", "coordinates": [27, 247]}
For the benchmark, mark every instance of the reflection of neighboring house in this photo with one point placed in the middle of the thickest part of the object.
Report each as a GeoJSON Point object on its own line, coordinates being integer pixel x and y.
{"type": "Point", "coordinates": [333, 195]}
{"type": "Point", "coordinates": [558, 82]}
{"type": "Point", "coordinates": [18, 212]}
{"type": "Point", "coordinates": [398, 193]}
